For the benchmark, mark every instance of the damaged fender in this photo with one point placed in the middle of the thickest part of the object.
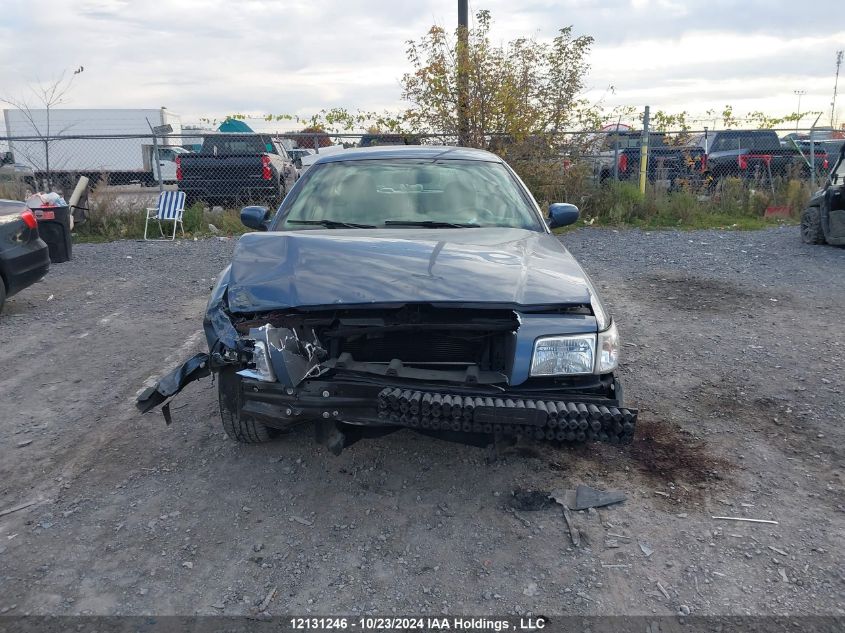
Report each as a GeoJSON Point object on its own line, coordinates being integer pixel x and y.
{"type": "Point", "coordinates": [168, 386]}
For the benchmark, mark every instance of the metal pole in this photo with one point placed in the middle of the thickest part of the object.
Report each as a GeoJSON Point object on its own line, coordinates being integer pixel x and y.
{"type": "Point", "coordinates": [644, 152]}
{"type": "Point", "coordinates": [813, 151]}
{"type": "Point", "coordinates": [463, 70]}
{"type": "Point", "coordinates": [835, 87]}
{"type": "Point", "coordinates": [156, 166]}
{"type": "Point", "coordinates": [799, 93]}
{"type": "Point", "coordinates": [616, 151]}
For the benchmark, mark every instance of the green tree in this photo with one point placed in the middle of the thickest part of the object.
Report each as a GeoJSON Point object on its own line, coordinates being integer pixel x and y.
{"type": "Point", "coordinates": [517, 89]}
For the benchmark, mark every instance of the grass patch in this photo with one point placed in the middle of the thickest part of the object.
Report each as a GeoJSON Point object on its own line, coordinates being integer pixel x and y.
{"type": "Point", "coordinates": [105, 225]}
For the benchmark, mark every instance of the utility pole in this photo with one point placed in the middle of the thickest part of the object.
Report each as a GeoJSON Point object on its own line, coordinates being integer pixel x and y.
{"type": "Point", "coordinates": [835, 86]}
{"type": "Point", "coordinates": [463, 72]}
{"type": "Point", "coordinates": [799, 94]}
{"type": "Point", "coordinates": [644, 139]}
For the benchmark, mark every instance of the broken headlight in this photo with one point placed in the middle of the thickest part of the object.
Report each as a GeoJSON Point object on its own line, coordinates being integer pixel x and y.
{"type": "Point", "coordinates": [263, 369]}
{"type": "Point", "coordinates": [564, 355]}
{"type": "Point", "coordinates": [608, 350]}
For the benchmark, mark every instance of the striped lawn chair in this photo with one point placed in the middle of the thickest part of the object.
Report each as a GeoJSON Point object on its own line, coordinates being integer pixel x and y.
{"type": "Point", "coordinates": [171, 207]}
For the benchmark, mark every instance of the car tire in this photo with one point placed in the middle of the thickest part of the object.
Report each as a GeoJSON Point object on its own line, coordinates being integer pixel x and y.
{"type": "Point", "coordinates": [240, 428]}
{"type": "Point", "coordinates": [811, 226]}
{"type": "Point", "coordinates": [2, 294]}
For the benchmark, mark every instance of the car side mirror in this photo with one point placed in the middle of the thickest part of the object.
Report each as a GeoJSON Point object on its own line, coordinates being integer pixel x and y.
{"type": "Point", "coordinates": [562, 214]}
{"type": "Point", "coordinates": [255, 218]}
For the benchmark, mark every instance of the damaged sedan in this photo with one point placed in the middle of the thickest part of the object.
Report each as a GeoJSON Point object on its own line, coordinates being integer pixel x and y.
{"type": "Point", "coordinates": [408, 288]}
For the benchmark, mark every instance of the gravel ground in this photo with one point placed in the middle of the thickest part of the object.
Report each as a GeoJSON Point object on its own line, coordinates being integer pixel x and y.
{"type": "Point", "coordinates": [733, 352]}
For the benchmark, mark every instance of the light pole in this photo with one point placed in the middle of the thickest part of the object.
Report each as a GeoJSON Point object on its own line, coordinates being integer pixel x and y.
{"type": "Point", "coordinates": [799, 94]}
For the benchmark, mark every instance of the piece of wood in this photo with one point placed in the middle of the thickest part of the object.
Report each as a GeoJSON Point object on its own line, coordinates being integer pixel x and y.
{"type": "Point", "coordinates": [18, 507]}
{"type": "Point", "coordinates": [746, 520]}
{"type": "Point", "coordinates": [778, 551]}
{"type": "Point", "coordinates": [663, 591]}
{"type": "Point", "coordinates": [573, 529]}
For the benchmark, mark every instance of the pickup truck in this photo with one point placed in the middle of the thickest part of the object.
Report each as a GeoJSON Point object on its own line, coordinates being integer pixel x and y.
{"type": "Point", "coordinates": [236, 168]}
{"type": "Point", "coordinates": [753, 153]}
{"type": "Point", "coordinates": [619, 154]}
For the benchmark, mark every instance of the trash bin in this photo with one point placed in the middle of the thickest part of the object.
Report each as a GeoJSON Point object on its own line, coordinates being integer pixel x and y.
{"type": "Point", "coordinates": [54, 228]}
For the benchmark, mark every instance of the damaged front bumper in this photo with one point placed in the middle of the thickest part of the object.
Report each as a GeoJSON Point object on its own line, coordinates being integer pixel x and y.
{"type": "Point", "coordinates": [286, 377]}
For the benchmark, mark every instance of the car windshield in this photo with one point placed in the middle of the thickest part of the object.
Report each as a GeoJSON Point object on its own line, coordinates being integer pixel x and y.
{"type": "Point", "coordinates": [409, 193]}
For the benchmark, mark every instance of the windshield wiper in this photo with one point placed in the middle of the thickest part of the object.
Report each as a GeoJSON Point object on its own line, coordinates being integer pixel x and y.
{"type": "Point", "coordinates": [333, 224]}
{"type": "Point", "coordinates": [432, 224]}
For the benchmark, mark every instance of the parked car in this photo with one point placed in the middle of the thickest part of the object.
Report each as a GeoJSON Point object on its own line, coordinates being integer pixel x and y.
{"type": "Point", "coordinates": [371, 140]}
{"type": "Point", "coordinates": [24, 257]}
{"type": "Point", "coordinates": [618, 155]}
{"type": "Point", "coordinates": [409, 287]}
{"type": "Point", "coordinates": [752, 153]}
{"type": "Point", "coordinates": [236, 168]}
{"type": "Point", "coordinates": [824, 218]}
{"type": "Point", "coordinates": [16, 180]}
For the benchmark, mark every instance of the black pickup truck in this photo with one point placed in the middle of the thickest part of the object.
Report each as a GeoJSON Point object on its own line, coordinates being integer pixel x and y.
{"type": "Point", "coordinates": [753, 154]}
{"type": "Point", "coordinates": [618, 155]}
{"type": "Point", "coordinates": [234, 169]}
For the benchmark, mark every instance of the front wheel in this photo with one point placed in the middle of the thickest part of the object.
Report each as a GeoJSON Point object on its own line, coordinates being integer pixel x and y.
{"type": "Point", "coordinates": [237, 426]}
{"type": "Point", "coordinates": [811, 226]}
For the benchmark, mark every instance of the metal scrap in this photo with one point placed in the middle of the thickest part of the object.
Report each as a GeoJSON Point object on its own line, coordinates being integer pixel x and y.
{"type": "Point", "coordinates": [585, 497]}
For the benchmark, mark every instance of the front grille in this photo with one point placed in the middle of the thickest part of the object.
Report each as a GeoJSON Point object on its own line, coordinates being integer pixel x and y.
{"type": "Point", "coordinates": [418, 347]}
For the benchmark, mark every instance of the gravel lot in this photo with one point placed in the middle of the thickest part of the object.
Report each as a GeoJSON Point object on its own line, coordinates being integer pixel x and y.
{"type": "Point", "coordinates": [733, 352]}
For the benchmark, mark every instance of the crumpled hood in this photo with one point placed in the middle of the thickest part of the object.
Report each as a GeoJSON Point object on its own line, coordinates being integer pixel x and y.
{"type": "Point", "coordinates": [279, 270]}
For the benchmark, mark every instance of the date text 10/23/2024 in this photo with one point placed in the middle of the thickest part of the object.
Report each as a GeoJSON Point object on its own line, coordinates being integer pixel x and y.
{"type": "Point", "coordinates": [399, 623]}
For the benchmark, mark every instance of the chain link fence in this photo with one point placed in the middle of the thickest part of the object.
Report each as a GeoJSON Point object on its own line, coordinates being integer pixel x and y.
{"type": "Point", "coordinates": [599, 170]}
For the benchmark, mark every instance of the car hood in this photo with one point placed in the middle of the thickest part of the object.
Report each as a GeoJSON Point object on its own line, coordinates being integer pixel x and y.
{"type": "Point", "coordinates": [332, 267]}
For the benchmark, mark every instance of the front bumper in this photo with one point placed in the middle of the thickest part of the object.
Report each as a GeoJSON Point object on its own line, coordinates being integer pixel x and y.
{"type": "Point", "coordinates": [464, 412]}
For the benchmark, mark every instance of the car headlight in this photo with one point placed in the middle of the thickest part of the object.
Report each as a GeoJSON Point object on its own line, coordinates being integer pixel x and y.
{"type": "Point", "coordinates": [263, 368]}
{"type": "Point", "coordinates": [608, 350]}
{"type": "Point", "coordinates": [558, 355]}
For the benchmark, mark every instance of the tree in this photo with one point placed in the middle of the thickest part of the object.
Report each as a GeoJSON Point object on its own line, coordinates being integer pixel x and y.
{"type": "Point", "coordinates": [47, 96]}
{"type": "Point", "coordinates": [517, 90]}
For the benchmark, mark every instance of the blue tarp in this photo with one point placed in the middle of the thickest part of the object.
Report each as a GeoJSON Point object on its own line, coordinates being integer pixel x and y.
{"type": "Point", "coordinates": [235, 125]}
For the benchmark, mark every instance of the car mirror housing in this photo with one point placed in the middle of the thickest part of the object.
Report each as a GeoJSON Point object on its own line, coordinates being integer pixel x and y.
{"type": "Point", "coordinates": [255, 218]}
{"type": "Point", "coordinates": [562, 214]}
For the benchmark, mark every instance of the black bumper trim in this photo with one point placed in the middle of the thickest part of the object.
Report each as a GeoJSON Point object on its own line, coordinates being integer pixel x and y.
{"type": "Point", "coordinates": [539, 419]}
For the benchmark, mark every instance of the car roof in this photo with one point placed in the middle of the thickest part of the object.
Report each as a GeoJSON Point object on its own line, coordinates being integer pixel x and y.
{"type": "Point", "coordinates": [387, 152]}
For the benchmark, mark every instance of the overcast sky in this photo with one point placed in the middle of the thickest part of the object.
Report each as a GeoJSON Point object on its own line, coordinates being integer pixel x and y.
{"type": "Point", "coordinates": [207, 58]}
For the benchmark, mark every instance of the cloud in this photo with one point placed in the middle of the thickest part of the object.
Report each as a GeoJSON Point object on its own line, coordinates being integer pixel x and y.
{"type": "Point", "coordinates": [207, 58]}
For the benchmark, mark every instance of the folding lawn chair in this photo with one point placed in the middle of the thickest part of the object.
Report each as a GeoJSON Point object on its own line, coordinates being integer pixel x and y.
{"type": "Point", "coordinates": [171, 207]}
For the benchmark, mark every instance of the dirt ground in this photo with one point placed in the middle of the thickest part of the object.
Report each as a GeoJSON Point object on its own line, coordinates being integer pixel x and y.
{"type": "Point", "coordinates": [733, 353]}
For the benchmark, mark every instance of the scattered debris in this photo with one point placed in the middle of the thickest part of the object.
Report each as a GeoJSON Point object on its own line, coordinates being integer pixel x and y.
{"type": "Point", "coordinates": [683, 610]}
{"type": "Point", "coordinates": [301, 520]}
{"type": "Point", "coordinates": [585, 497]}
{"type": "Point", "coordinates": [611, 543]}
{"type": "Point", "coordinates": [619, 566]}
{"type": "Point", "coordinates": [187, 564]}
{"type": "Point", "coordinates": [18, 507]}
{"type": "Point", "coordinates": [779, 551]}
{"type": "Point", "coordinates": [525, 521]}
{"type": "Point", "coordinates": [663, 590]}
{"type": "Point", "coordinates": [530, 500]}
{"type": "Point", "coordinates": [746, 520]}
{"type": "Point", "coordinates": [23, 443]}
{"type": "Point", "coordinates": [646, 549]}
{"type": "Point", "coordinates": [622, 536]}
{"type": "Point", "coordinates": [573, 529]}
{"type": "Point", "coordinates": [783, 575]}
{"type": "Point", "coordinates": [266, 602]}
{"type": "Point", "coordinates": [661, 493]}
{"type": "Point", "coordinates": [530, 589]}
